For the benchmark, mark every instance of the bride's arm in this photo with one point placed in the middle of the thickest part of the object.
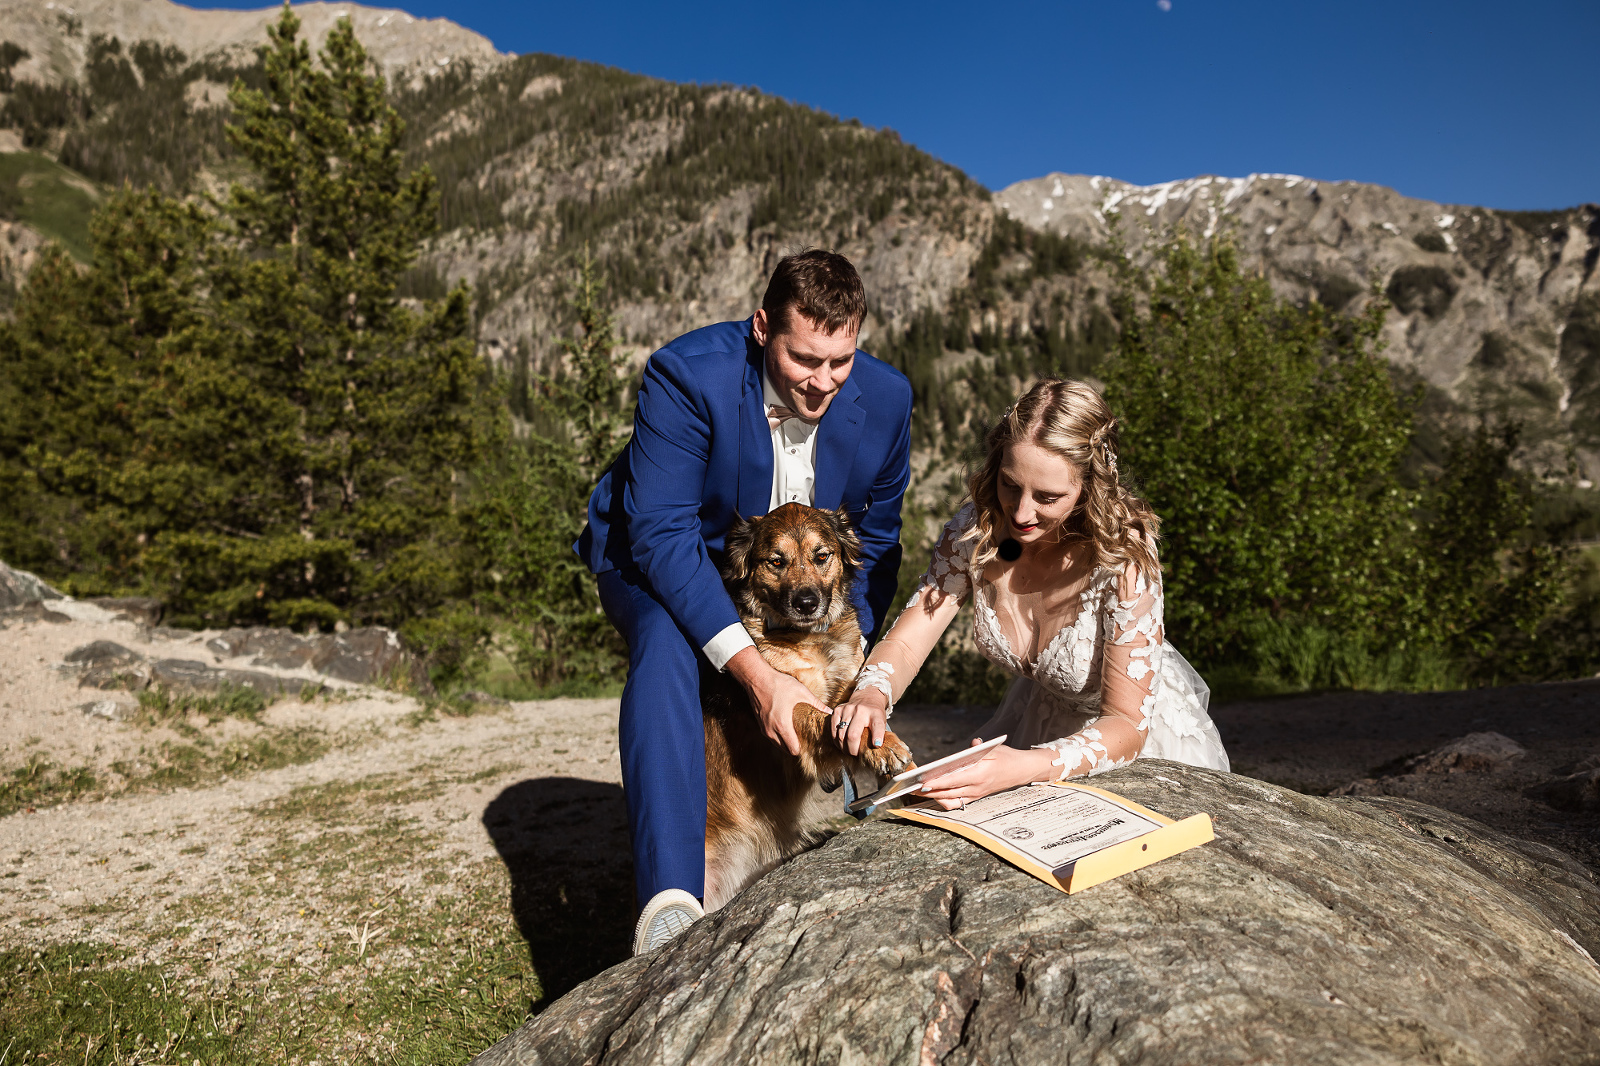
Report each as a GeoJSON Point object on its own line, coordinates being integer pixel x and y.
{"type": "Point", "coordinates": [895, 660]}
{"type": "Point", "coordinates": [1129, 677]}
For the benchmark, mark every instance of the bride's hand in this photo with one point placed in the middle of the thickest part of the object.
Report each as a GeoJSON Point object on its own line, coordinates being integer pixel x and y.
{"type": "Point", "coordinates": [864, 718]}
{"type": "Point", "coordinates": [1001, 769]}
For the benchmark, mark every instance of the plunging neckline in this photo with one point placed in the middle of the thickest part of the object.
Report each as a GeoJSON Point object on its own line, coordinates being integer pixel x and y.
{"type": "Point", "coordinates": [984, 590]}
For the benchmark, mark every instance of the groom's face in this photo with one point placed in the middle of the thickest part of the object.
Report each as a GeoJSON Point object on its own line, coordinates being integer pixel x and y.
{"type": "Point", "coordinates": [806, 365]}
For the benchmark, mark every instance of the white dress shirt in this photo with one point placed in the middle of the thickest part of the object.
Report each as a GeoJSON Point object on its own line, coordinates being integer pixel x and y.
{"type": "Point", "coordinates": [794, 480]}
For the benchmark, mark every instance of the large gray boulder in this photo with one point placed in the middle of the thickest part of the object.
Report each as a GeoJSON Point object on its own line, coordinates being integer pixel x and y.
{"type": "Point", "coordinates": [1311, 931]}
{"type": "Point", "coordinates": [370, 655]}
{"type": "Point", "coordinates": [19, 588]}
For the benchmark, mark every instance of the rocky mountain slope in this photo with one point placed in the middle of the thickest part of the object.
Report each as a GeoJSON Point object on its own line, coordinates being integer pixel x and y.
{"type": "Point", "coordinates": [58, 36]}
{"type": "Point", "coordinates": [687, 194]}
{"type": "Point", "coordinates": [1497, 310]}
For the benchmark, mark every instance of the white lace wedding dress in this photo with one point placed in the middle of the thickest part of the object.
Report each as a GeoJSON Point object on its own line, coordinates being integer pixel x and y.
{"type": "Point", "coordinates": [1096, 680]}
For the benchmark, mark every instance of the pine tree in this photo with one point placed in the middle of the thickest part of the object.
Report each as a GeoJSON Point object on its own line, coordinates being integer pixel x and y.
{"type": "Point", "coordinates": [362, 409]}
{"type": "Point", "coordinates": [88, 405]}
{"type": "Point", "coordinates": [232, 409]}
{"type": "Point", "coordinates": [532, 503]}
{"type": "Point", "coordinates": [587, 395]}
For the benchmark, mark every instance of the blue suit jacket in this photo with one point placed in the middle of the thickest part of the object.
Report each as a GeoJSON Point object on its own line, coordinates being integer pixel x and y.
{"type": "Point", "coordinates": [701, 453]}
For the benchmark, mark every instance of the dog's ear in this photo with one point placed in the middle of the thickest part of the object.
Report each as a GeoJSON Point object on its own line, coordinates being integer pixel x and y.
{"type": "Point", "coordinates": [736, 549]}
{"type": "Point", "coordinates": [844, 531]}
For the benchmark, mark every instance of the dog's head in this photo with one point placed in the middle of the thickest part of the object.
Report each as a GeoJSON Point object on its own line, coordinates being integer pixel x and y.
{"type": "Point", "coordinates": [792, 568]}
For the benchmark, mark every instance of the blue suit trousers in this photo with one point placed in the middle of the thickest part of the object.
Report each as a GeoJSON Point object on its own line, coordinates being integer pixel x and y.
{"type": "Point", "coordinates": [661, 738]}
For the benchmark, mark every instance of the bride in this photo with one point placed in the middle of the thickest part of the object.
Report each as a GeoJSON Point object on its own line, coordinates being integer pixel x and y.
{"type": "Point", "coordinates": [1061, 559]}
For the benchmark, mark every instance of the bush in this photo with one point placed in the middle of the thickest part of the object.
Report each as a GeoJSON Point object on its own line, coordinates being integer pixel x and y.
{"type": "Point", "coordinates": [531, 505]}
{"type": "Point", "coordinates": [1270, 439]}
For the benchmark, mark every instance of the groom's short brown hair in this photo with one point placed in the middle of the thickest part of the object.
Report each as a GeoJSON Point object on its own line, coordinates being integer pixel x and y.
{"type": "Point", "coordinates": [819, 284]}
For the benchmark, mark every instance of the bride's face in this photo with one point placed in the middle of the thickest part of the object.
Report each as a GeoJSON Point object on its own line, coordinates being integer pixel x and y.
{"type": "Point", "coordinates": [1038, 490]}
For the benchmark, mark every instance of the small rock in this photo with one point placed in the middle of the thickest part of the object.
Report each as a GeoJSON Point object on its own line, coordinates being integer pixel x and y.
{"type": "Point", "coordinates": [102, 651]}
{"type": "Point", "coordinates": [1473, 753]}
{"type": "Point", "coordinates": [34, 611]}
{"type": "Point", "coordinates": [271, 647]}
{"type": "Point", "coordinates": [106, 664]}
{"type": "Point", "coordinates": [189, 677]}
{"type": "Point", "coordinates": [141, 609]}
{"type": "Point", "coordinates": [110, 710]}
{"type": "Point", "coordinates": [1578, 792]}
{"type": "Point", "coordinates": [364, 656]}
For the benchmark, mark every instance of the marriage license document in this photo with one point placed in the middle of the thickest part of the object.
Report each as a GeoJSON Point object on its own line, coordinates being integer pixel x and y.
{"type": "Point", "coordinates": [1066, 834]}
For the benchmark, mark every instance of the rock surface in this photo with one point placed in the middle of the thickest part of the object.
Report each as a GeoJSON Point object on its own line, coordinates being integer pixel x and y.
{"type": "Point", "coordinates": [18, 588]}
{"type": "Point", "coordinates": [361, 656]}
{"type": "Point", "coordinates": [104, 664]}
{"type": "Point", "coordinates": [57, 36]}
{"type": "Point", "coordinates": [1312, 930]}
{"type": "Point", "coordinates": [143, 610]}
{"type": "Point", "coordinates": [1475, 753]}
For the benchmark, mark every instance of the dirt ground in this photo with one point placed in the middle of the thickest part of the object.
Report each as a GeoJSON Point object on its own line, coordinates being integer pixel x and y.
{"type": "Point", "coordinates": [383, 844]}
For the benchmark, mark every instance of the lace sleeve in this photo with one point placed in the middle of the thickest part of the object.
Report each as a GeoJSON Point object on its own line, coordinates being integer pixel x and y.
{"type": "Point", "coordinates": [949, 572]}
{"type": "Point", "coordinates": [1130, 680]}
{"type": "Point", "coordinates": [945, 586]}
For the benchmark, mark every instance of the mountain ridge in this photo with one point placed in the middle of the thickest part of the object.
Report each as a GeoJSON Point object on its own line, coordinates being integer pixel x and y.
{"type": "Point", "coordinates": [1491, 308]}
{"type": "Point", "coordinates": [687, 194]}
{"type": "Point", "coordinates": [57, 35]}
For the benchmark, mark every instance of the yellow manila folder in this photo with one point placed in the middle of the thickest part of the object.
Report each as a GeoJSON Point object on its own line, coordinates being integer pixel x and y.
{"type": "Point", "coordinates": [1066, 834]}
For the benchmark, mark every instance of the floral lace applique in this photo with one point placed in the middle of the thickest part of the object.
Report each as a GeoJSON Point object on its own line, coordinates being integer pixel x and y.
{"type": "Point", "coordinates": [1086, 748]}
{"type": "Point", "coordinates": [950, 570]}
{"type": "Point", "coordinates": [876, 675]}
{"type": "Point", "coordinates": [1116, 650]}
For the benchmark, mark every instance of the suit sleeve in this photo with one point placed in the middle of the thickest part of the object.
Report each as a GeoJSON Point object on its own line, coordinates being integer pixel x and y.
{"type": "Point", "coordinates": [668, 458]}
{"type": "Point", "coordinates": [880, 530]}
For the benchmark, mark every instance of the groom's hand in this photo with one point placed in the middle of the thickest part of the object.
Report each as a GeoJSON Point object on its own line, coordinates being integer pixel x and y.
{"type": "Point", "coordinates": [774, 695]}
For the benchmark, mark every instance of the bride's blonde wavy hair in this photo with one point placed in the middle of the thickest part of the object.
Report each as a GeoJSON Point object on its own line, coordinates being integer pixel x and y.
{"type": "Point", "coordinates": [1068, 419]}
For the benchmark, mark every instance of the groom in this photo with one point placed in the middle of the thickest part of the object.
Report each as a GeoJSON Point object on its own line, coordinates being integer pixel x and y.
{"type": "Point", "coordinates": [734, 420]}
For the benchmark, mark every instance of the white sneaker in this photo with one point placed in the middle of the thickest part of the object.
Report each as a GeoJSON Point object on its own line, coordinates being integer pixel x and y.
{"type": "Point", "coordinates": [666, 915]}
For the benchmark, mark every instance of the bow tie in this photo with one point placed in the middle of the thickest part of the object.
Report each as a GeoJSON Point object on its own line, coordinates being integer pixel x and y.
{"type": "Point", "coordinates": [777, 416]}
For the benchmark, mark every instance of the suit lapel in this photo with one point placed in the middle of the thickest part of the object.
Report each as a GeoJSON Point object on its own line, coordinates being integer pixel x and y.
{"type": "Point", "coordinates": [755, 441]}
{"type": "Point", "coordinates": [837, 436]}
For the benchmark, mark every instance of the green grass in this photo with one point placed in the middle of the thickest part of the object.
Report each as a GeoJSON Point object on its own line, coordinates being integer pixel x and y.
{"type": "Point", "coordinates": [195, 760]}
{"type": "Point", "coordinates": [48, 197]}
{"type": "Point", "coordinates": [41, 783]}
{"type": "Point", "coordinates": [84, 1003]}
{"type": "Point", "coordinates": [368, 941]}
{"type": "Point", "coordinates": [1287, 659]}
{"type": "Point", "coordinates": [159, 705]}
{"type": "Point", "coordinates": [87, 1003]}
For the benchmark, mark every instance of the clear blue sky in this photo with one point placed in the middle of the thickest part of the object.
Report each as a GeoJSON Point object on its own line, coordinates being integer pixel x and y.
{"type": "Point", "coordinates": [1472, 102]}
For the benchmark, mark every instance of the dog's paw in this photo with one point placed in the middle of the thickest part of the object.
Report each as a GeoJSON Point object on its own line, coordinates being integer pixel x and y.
{"type": "Point", "coordinates": [830, 778]}
{"type": "Point", "coordinates": [888, 760]}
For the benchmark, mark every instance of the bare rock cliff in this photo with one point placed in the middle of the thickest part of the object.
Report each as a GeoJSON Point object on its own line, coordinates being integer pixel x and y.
{"type": "Point", "coordinates": [57, 34]}
{"type": "Point", "coordinates": [1495, 309]}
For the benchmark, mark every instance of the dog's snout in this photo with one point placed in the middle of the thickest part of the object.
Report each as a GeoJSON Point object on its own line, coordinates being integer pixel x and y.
{"type": "Point", "coordinates": [805, 600]}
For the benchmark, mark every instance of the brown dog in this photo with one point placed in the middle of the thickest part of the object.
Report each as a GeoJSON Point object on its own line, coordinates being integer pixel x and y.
{"type": "Point", "coordinates": [789, 574]}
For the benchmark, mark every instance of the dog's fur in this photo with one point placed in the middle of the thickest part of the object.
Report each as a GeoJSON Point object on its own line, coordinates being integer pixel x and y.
{"type": "Point", "coordinates": [789, 574]}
